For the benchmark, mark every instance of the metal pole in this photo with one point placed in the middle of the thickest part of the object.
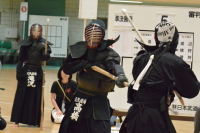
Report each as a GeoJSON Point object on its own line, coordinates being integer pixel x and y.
{"type": "Point", "coordinates": [23, 30]}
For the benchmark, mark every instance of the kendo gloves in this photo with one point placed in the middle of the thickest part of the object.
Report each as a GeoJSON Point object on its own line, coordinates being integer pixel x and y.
{"type": "Point", "coordinates": [18, 76]}
{"type": "Point", "coordinates": [121, 78]}
{"type": "Point", "coordinates": [87, 66]}
{"type": "Point", "coordinates": [46, 57]}
{"type": "Point", "coordinates": [18, 70]}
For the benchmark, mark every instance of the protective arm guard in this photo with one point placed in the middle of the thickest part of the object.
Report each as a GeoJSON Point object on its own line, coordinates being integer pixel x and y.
{"type": "Point", "coordinates": [119, 72]}
{"type": "Point", "coordinates": [72, 65]}
{"type": "Point", "coordinates": [121, 78]}
{"type": "Point", "coordinates": [46, 57]}
{"type": "Point", "coordinates": [21, 59]}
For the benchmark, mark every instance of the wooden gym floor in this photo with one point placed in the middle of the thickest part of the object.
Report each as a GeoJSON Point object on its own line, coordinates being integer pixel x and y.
{"type": "Point", "coordinates": [9, 82]}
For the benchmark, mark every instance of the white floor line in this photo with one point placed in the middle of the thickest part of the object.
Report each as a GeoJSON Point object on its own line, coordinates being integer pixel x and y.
{"type": "Point", "coordinates": [5, 103]}
{"type": "Point", "coordinates": [6, 116]}
{"type": "Point", "coordinates": [11, 103]}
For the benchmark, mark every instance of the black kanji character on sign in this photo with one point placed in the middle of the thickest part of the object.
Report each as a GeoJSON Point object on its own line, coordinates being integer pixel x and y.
{"type": "Point", "coordinates": [191, 14]}
{"type": "Point", "coordinates": [116, 18]}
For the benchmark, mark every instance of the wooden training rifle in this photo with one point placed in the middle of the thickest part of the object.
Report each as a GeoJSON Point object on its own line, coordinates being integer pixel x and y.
{"type": "Point", "coordinates": [99, 70]}
{"type": "Point", "coordinates": [43, 79]}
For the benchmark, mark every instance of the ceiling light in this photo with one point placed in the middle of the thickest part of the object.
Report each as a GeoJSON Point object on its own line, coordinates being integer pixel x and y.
{"type": "Point", "coordinates": [126, 1]}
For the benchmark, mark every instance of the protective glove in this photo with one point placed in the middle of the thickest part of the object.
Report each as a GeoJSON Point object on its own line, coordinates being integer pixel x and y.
{"type": "Point", "coordinates": [19, 69]}
{"type": "Point", "coordinates": [87, 66]}
{"type": "Point", "coordinates": [18, 76]}
{"type": "Point", "coordinates": [121, 78]}
{"type": "Point", "coordinates": [45, 57]}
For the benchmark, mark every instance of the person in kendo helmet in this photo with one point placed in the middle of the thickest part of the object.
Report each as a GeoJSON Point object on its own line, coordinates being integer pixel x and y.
{"type": "Point", "coordinates": [89, 111]}
{"type": "Point", "coordinates": [26, 107]}
{"type": "Point", "coordinates": [153, 94]}
{"type": "Point", "coordinates": [2, 123]}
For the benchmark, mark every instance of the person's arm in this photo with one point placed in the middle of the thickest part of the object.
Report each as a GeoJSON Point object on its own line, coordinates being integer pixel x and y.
{"type": "Point", "coordinates": [71, 65]}
{"type": "Point", "coordinates": [21, 58]}
{"type": "Point", "coordinates": [121, 77]}
{"type": "Point", "coordinates": [186, 82]}
{"type": "Point", "coordinates": [46, 56]}
{"type": "Point", "coordinates": [197, 121]}
{"type": "Point", "coordinates": [53, 101]}
{"type": "Point", "coordinates": [54, 89]}
{"type": "Point", "coordinates": [113, 66]}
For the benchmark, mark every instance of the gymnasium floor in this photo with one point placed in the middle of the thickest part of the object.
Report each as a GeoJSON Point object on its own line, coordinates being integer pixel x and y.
{"type": "Point", "coordinates": [9, 82]}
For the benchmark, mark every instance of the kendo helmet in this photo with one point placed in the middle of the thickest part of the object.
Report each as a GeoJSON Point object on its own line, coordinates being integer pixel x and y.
{"type": "Point", "coordinates": [94, 33]}
{"type": "Point", "coordinates": [166, 33]}
{"type": "Point", "coordinates": [36, 31]}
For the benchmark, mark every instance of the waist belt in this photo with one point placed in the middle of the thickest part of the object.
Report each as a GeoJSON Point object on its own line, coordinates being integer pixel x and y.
{"type": "Point", "coordinates": [148, 104]}
{"type": "Point", "coordinates": [32, 65]}
{"type": "Point", "coordinates": [90, 92]}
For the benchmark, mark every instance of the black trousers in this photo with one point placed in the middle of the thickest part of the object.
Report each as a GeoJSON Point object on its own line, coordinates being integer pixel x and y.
{"type": "Point", "coordinates": [90, 125]}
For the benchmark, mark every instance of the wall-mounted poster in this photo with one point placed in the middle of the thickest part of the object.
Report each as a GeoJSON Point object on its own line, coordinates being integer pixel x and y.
{"type": "Point", "coordinates": [122, 20]}
{"type": "Point", "coordinates": [57, 32]}
{"type": "Point", "coordinates": [125, 47]}
{"type": "Point", "coordinates": [184, 48]}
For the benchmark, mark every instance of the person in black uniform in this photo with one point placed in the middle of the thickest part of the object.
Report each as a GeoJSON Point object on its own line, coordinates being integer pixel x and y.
{"type": "Point", "coordinates": [29, 74]}
{"type": "Point", "coordinates": [62, 92]}
{"type": "Point", "coordinates": [2, 121]}
{"type": "Point", "coordinates": [89, 111]}
{"type": "Point", "coordinates": [197, 121]}
{"type": "Point", "coordinates": [167, 73]}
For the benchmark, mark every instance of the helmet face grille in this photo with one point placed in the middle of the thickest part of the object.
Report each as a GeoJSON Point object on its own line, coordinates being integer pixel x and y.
{"type": "Point", "coordinates": [36, 31]}
{"type": "Point", "coordinates": [93, 35]}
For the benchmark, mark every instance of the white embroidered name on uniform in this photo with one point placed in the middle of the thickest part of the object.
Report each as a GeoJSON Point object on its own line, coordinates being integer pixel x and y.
{"type": "Point", "coordinates": [77, 109]}
{"type": "Point", "coordinates": [31, 79]}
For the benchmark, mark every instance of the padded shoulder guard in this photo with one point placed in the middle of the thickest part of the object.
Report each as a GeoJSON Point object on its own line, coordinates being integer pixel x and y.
{"type": "Point", "coordinates": [113, 55]}
{"type": "Point", "coordinates": [106, 43]}
{"type": "Point", "coordinates": [26, 42]}
{"type": "Point", "coordinates": [78, 49]}
{"type": "Point", "coordinates": [139, 55]}
{"type": "Point", "coordinates": [29, 40]}
{"type": "Point", "coordinates": [44, 41]}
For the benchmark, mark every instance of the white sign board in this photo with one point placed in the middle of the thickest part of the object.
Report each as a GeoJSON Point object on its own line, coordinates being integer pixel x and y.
{"type": "Point", "coordinates": [88, 9]}
{"type": "Point", "coordinates": [124, 45]}
{"type": "Point", "coordinates": [184, 48]}
{"type": "Point", "coordinates": [57, 32]}
{"type": "Point", "coordinates": [23, 11]}
{"type": "Point", "coordinates": [166, 16]}
{"type": "Point", "coordinates": [122, 20]}
{"type": "Point", "coordinates": [129, 47]}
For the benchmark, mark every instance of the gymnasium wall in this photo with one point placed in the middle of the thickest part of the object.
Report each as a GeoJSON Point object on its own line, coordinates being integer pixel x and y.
{"type": "Point", "coordinates": [9, 17]}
